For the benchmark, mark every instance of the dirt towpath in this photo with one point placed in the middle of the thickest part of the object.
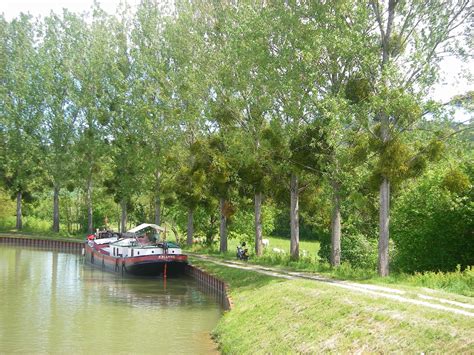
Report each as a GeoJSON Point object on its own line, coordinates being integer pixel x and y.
{"type": "Point", "coordinates": [417, 298]}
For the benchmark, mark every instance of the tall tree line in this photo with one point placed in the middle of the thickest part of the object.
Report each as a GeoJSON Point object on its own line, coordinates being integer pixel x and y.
{"type": "Point", "coordinates": [207, 105]}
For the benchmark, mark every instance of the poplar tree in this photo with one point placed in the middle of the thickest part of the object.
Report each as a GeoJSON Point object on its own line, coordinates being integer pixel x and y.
{"type": "Point", "coordinates": [411, 38]}
{"type": "Point", "coordinates": [59, 113]}
{"type": "Point", "coordinates": [21, 110]}
{"type": "Point", "coordinates": [152, 91]}
{"type": "Point", "coordinates": [91, 73]}
{"type": "Point", "coordinates": [243, 55]}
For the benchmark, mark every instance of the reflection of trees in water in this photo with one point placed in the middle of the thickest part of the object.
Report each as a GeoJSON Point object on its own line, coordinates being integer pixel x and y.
{"type": "Point", "coordinates": [142, 292]}
{"type": "Point", "coordinates": [176, 293]}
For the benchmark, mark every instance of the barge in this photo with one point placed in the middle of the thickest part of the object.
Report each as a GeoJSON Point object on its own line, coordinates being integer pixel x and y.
{"type": "Point", "coordinates": [139, 251]}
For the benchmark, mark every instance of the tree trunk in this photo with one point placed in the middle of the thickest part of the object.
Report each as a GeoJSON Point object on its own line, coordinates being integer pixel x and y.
{"type": "Point", "coordinates": [384, 222]}
{"type": "Point", "coordinates": [157, 199]}
{"type": "Point", "coordinates": [294, 218]}
{"type": "Point", "coordinates": [258, 224]}
{"type": "Point", "coordinates": [223, 226]}
{"type": "Point", "coordinates": [19, 221]}
{"type": "Point", "coordinates": [56, 209]}
{"type": "Point", "coordinates": [336, 227]}
{"type": "Point", "coordinates": [190, 231]}
{"type": "Point", "coordinates": [90, 225]}
{"type": "Point", "coordinates": [123, 218]}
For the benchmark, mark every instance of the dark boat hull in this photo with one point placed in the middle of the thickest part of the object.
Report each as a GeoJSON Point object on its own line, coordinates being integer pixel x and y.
{"type": "Point", "coordinates": [149, 265]}
{"type": "Point", "coordinates": [156, 268]}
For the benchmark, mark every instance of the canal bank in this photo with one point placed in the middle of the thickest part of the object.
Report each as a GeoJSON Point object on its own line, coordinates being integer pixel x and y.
{"type": "Point", "coordinates": [278, 313]}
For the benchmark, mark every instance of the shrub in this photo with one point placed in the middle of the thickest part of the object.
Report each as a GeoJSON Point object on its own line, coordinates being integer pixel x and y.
{"type": "Point", "coordinates": [356, 249]}
{"type": "Point", "coordinates": [432, 226]}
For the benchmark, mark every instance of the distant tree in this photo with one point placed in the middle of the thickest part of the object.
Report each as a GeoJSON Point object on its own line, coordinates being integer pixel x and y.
{"type": "Point", "coordinates": [242, 64]}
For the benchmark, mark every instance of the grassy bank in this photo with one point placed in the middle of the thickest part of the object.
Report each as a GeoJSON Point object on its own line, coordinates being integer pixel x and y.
{"type": "Point", "coordinates": [458, 282]}
{"type": "Point", "coordinates": [273, 315]}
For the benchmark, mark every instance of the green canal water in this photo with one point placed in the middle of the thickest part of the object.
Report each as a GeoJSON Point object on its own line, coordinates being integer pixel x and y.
{"type": "Point", "coordinates": [50, 302]}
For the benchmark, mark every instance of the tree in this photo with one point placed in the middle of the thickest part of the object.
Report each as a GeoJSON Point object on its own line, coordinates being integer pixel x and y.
{"type": "Point", "coordinates": [411, 39]}
{"type": "Point", "coordinates": [21, 110]}
{"type": "Point", "coordinates": [152, 90]}
{"type": "Point", "coordinates": [59, 113]}
{"type": "Point", "coordinates": [187, 81]}
{"type": "Point", "coordinates": [242, 64]}
{"type": "Point", "coordinates": [91, 72]}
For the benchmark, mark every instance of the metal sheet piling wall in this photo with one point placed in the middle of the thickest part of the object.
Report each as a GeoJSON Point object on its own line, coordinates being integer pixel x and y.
{"type": "Point", "coordinates": [46, 244]}
{"type": "Point", "coordinates": [211, 285]}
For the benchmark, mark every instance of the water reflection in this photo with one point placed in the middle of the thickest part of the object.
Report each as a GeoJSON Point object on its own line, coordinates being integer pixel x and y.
{"type": "Point", "coordinates": [52, 303]}
{"type": "Point", "coordinates": [147, 292]}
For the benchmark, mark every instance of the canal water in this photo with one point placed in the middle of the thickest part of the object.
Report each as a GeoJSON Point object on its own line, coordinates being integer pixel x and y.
{"type": "Point", "coordinates": [50, 302]}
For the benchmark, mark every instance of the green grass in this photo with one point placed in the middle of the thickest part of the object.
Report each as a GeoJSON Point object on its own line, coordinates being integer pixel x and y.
{"type": "Point", "coordinates": [279, 316]}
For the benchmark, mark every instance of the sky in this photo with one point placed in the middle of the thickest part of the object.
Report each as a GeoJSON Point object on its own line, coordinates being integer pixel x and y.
{"type": "Point", "coordinates": [12, 8]}
{"type": "Point", "coordinates": [451, 68]}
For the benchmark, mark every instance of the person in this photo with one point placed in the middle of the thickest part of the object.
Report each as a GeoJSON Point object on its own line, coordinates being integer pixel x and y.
{"type": "Point", "coordinates": [242, 252]}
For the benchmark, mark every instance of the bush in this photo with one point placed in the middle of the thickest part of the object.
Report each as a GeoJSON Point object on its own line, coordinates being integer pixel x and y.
{"type": "Point", "coordinates": [432, 227]}
{"type": "Point", "coordinates": [356, 249]}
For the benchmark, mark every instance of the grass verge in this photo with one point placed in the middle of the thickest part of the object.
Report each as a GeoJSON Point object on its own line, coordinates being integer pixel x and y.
{"type": "Point", "coordinates": [273, 315]}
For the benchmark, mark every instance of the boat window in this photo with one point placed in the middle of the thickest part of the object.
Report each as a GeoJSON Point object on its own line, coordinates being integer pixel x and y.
{"type": "Point", "coordinates": [138, 253]}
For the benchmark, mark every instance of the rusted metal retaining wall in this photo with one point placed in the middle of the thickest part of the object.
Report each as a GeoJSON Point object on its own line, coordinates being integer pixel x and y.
{"type": "Point", "coordinates": [211, 285]}
{"type": "Point", "coordinates": [45, 244]}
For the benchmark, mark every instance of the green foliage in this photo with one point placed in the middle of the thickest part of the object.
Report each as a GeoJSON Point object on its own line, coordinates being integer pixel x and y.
{"type": "Point", "coordinates": [357, 250]}
{"type": "Point", "coordinates": [433, 223]}
{"type": "Point", "coordinates": [242, 224]}
{"type": "Point", "coordinates": [456, 181]}
{"type": "Point", "coordinates": [7, 206]}
{"type": "Point", "coordinates": [357, 89]}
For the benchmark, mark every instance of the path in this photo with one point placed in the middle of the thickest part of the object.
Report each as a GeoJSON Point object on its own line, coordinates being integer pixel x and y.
{"type": "Point", "coordinates": [419, 299]}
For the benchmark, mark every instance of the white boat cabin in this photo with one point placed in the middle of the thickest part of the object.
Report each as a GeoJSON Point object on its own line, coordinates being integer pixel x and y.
{"type": "Point", "coordinates": [130, 247]}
